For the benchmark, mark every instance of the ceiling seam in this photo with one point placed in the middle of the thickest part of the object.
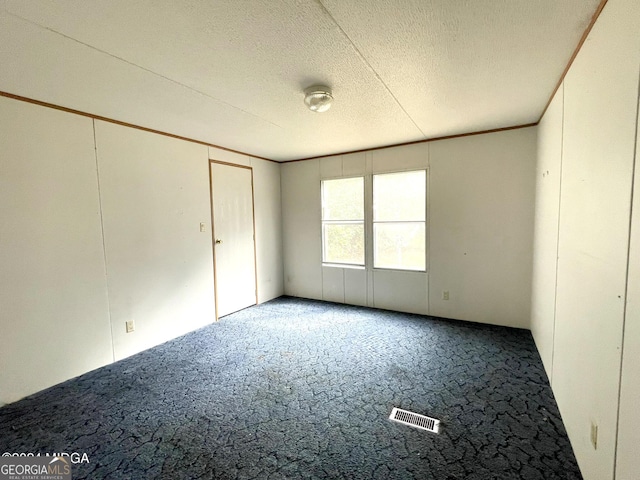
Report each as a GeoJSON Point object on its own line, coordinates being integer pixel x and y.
{"type": "Point", "coordinates": [366, 62]}
{"type": "Point", "coordinates": [175, 82]}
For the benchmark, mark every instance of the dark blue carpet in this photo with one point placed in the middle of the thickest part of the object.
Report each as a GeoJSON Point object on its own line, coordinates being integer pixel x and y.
{"type": "Point", "coordinates": [302, 389]}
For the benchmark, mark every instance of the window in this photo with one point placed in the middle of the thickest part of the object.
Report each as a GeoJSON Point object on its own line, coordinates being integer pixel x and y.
{"type": "Point", "coordinates": [397, 223]}
{"type": "Point", "coordinates": [343, 221]}
{"type": "Point", "coordinates": [399, 214]}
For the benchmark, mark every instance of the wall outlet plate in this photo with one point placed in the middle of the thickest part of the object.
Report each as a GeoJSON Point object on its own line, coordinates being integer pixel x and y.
{"type": "Point", "coordinates": [130, 326]}
{"type": "Point", "coordinates": [445, 294]}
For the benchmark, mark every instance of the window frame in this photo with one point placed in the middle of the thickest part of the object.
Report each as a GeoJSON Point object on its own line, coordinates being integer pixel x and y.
{"type": "Point", "coordinates": [424, 222]}
{"type": "Point", "coordinates": [324, 223]}
{"type": "Point", "coordinates": [368, 222]}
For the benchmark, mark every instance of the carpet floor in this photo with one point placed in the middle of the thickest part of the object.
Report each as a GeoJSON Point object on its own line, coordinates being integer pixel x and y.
{"type": "Point", "coordinates": [301, 389]}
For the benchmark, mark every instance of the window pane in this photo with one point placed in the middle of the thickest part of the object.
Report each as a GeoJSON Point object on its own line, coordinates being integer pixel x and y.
{"type": "Point", "coordinates": [343, 199]}
{"type": "Point", "coordinates": [399, 196]}
{"type": "Point", "coordinates": [344, 243]}
{"type": "Point", "coordinates": [399, 245]}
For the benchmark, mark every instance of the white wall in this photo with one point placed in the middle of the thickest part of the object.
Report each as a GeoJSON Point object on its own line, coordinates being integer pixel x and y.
{"type": "Point", "coordinates": [600, 101]}
{"type": "Point", "coordinates": [583, 350]}
{"type": "Point", "coordinates": [480, 232]}
{"type": "Point", "coordinates": [545, 242]}
{"type": "Point", "coordinates": [479, 213]}
{"type": "Point", "coordinates": [100, 226]}
{"type": "Point", "coordinates": [301, 241]}
{"type": "Point", "coordinates": [54, 321]}
{"type": "Point", "coordinates": [268, 216]}
{"type": "Point", "coordinates": [628, 460]}
{"type": "Point", "coordinates": [155, 193]}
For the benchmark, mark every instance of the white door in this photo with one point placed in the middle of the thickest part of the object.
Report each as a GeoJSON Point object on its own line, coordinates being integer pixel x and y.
{"type": "Point", "coordinates": [234, 247]}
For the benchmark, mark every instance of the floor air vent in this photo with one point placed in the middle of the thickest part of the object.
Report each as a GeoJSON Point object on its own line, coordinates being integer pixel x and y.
{"type": "Point", "coordinates": [414, 420]}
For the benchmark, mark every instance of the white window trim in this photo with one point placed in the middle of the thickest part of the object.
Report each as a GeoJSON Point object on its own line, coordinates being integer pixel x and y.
{"type": "Point", "coordinates": [425, 222]}
{"type": "Point", "coordinates": [368, 222]}
{"type": "Point", "coordinates": [323, 222]}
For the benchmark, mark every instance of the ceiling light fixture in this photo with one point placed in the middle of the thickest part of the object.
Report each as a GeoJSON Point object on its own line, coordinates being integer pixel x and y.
{"type": "Point", "coordinates": [318, 98]}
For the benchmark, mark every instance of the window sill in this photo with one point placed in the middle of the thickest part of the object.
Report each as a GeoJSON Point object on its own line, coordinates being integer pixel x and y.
{"type": "Point", "coordinates": [403, 270]}
{"type": "Point", "coordinates": [343, 265]}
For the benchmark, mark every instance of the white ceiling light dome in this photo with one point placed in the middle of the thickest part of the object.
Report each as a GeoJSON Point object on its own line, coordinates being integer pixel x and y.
{"type": "Point", "coordinates": [318, 98]}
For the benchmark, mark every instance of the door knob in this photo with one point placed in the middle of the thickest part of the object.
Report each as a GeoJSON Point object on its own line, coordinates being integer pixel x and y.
{"type": "Point", "coordinates": [218, 241]}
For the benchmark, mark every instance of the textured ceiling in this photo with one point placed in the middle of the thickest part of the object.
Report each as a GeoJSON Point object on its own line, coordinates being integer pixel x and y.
{"type": "Point", "coordinates": [231, 72]}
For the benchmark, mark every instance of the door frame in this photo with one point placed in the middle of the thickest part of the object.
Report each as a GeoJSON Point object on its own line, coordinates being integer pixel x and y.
{"type": "Point", "coordinates": [213, 231]}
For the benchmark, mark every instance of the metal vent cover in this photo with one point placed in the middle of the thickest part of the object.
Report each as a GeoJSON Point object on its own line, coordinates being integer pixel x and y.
{"type": "Point", "coordinates": [414, 420]}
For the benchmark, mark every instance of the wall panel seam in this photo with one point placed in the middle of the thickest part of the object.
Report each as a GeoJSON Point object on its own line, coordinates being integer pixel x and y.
{"type": "Point", "coordinates": [104, 244]}
{"type": "Point", "coordinates": [555, 290]}
{"type": "Point", "coordinates": [626, 279]}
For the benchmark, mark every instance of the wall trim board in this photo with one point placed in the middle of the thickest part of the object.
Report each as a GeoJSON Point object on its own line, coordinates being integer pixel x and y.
{"type": "Point", "coordinates": [415, 142]}
{"type": "Point", "coordinates": [125, 124]}
{"type": "Point", "coordinates": [230, 164]}
{"type": "Point", "coordinates": [594, 18]}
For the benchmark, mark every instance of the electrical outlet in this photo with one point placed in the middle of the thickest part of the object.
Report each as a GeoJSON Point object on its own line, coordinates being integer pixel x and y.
{"type": "Point", "coordinates": [445, 294]}
{"type": "Point", "coordinates": [203, 227]}
{"type": "Point", "coordinates": [130, 326]}
{"type": "Point", "coordinates": [594, 435]}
